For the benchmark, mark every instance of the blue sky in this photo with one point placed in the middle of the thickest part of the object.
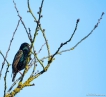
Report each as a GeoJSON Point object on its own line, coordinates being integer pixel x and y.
{"type": "Point", "coordinates": [77, 73]}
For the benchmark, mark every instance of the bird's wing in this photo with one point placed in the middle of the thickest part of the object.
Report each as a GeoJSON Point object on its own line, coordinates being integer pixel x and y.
{"type": "Point", "coordinates": [16, 60]}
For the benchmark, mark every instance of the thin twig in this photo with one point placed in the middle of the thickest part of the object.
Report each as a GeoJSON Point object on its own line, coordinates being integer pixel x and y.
{"type": "Point", "coordinates": [90, 32]}
{"type": "Point", "coordinates": [62, 44]}
{"type": "Point", "coordinates": [47, 44]}
{"type": "Point", "coordinates": [5, 82]}
{"type": "Point", "coordinates": [85, 36]}
{"type": "Point", "coordinates": [14, 84]}
{"type": "Point", "coordinates": [4, 57]}
{"type": "Point", "coordinates": [34, 68]}
{"type": "Point", "coordinates": [41, 48]}
{"type": "Point", "coordinates": [28, 33]}
{"type": "Point", "coordinates": [31, 11]}
{"type": "Point", "coordinates": [9, 47]}
{"type": "Point", "coordinates": [30, 36]}
{"type": "Point", "coordinates": [38, 21]}
{"type": "Point", "coordinates": [42, 30]}
{"type": "Point", "coordinates": [9, 64]}
{"type": "Point", "coordinates": [34, 60]}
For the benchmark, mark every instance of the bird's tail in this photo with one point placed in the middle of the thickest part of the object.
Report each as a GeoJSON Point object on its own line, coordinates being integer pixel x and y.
{"type": "Point", "coordinates": [14, 75]}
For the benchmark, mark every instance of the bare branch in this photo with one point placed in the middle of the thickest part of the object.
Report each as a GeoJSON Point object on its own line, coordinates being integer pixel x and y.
{"type": "Point", "coordinates": [41, 48]}
{"type": "Point", "coordinates": [14, 84]}
{"type": "Point", "coordinates": [38, 23]}
{"type": "Point", "coordinates": [62, 44]}
{"type": "Point", "coordinates": [5, 82]}
{"type": "Point", "coordinates": [42, 30]}
{"type": "Point", "coordinates": [32, 43]}
{"type": "Point", "coordinates": [31, 11]}
{"type": "Point", "coordinates": [28, 33]}
{"type": "Point", "coordinates": [90, 32]}
{"type": "Point", "coordinates": [9, 47]}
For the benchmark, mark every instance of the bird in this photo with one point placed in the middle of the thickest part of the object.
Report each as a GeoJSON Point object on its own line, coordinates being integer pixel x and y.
{"type": "Point", "coordinates": [20, 59]}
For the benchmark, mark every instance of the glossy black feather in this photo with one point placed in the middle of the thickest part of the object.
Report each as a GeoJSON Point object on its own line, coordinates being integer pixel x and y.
{"type": "Point", "coordinates": [20, 61]}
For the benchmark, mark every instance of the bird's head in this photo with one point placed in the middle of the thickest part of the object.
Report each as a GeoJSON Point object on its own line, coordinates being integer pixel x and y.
{"type": "Point", "coordinates": [25, 46]}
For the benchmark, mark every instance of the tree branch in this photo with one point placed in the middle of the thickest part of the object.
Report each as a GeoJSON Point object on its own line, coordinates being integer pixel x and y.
{"type": "Point", "coordinates": [28, 33]}
{"type": "Point", "coordinates": [9, 48]}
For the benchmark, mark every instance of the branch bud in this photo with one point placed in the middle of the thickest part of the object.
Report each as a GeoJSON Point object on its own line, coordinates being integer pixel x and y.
{"type": "Point", "coordinates": [43, 30]}
{"type": "Point", "coordinates": [78, 20]}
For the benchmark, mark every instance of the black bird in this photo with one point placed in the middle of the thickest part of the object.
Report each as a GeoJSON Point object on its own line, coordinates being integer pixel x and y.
{"type": "Point", "coordinates": [20, 59]}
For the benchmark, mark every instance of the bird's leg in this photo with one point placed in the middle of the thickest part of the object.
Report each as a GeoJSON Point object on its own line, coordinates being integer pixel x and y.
{"type": "Point", "coordinates": [19, 72]}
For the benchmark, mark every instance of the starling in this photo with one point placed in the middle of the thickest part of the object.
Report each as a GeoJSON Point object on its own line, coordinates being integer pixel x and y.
{"type": "Point", "coordinates": [20, 59]}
